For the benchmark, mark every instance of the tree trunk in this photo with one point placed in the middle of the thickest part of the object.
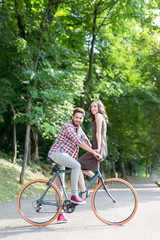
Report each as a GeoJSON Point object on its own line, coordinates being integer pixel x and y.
{"type": "Point", "coordinates": [36, 156]}
{"type": "Point", "coordinates": [95, 31]}
{"type": "Point", "coordinates": [54, 4]}
{"type": "Point", "coordinates": [34, 147]}
{"type": "Point", "coordinates": [22, 175]}
{"type": "Point", "coordinates": [121, 162]}
{"type": "Point", "coordinates": [27, 142]}
{"type": "Point", "coordinates": [14, 138]}
{"type": "Point", "coordinates": [91, 56]}
{"type": "Point", "coordinates": [122, 167]}
{"type": "Point", "coordinates": [20, 22]}
{"type": "Point", "coordinates": [29, 152]}
{"type": "Point", "coordinates": [14, 144]}
{"type": "Point", "coordinates": [147, 165]}
{"type": "Point", "coordinates": [130, 167]}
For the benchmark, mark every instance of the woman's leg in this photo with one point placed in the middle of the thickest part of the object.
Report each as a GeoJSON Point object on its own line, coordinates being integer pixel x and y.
{"type": "Point", "coordinates": [82, 182]}
{"type": "Point", "coordinates": [58, 183]}
{"type": "Point", "coordinates": [84, 191]}
{"type": "Point", "coordinates": [90, 174]}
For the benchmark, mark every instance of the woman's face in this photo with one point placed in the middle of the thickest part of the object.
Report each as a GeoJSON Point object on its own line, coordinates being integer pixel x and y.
{"type": "Point", "coordinates": [94, 108]}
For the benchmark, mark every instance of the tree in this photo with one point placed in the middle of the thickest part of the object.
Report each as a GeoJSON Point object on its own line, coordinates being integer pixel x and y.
{"type": "Point", "coordinates": [51, 6]}
{"type": "Point", "coordinates": [53, 51]}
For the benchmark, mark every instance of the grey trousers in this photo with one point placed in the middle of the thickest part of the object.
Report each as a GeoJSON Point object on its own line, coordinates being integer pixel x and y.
{"type": "Point", "coordinates": [64, 159]}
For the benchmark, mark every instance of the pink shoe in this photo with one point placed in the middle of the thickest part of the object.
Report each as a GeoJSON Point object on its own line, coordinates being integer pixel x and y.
{"type": "Point", "coordinates": [61, 219]}
{"type": "Point", "coordinates": [76, 199]}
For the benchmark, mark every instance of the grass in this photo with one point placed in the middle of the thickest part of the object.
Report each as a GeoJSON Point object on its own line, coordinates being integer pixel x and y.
{"type": "Point", "coordinates": [9, 179]}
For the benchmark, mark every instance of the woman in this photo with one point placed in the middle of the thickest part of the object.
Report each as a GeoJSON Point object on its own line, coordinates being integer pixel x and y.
{"type": "Point", "coordinates": [99, 119]}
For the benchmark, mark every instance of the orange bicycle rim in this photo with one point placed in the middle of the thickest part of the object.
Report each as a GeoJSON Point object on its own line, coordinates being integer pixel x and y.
{"type": "Point", "coordinates": [41, 224]}
{"type": "Point", "coordinates": [135, 194]}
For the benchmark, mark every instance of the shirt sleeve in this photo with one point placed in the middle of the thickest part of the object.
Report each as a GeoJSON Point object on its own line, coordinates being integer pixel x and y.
{"type": "Point", "coordinates": [84, 137]}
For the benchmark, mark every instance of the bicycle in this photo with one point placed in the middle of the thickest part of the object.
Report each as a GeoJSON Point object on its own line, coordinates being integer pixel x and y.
{"type": "Point", "coordinates": [114, 201]}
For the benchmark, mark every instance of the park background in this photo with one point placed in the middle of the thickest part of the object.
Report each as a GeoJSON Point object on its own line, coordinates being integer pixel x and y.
{"type": "Point", "coordinates": [61, 54]}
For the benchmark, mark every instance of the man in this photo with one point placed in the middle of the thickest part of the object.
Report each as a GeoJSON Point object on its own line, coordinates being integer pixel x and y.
{"type": "Point", "coordinates": [65, 149]}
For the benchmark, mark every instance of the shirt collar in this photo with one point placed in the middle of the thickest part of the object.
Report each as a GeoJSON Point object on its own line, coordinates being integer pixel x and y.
{"type": "Point", "coordinates": [74, 126]}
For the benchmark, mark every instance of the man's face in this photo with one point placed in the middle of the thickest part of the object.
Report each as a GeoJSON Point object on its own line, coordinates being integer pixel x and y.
{"type": "Point", "coordinates": [77, 119]}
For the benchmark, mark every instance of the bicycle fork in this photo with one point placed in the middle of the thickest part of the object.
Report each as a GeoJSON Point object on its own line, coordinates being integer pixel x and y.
{"type": "Point", "coordinates": [104, 187]}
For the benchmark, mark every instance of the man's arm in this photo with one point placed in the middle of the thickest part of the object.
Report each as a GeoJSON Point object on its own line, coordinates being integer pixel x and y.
{"type": "Point", "coordinates": [85, 139]}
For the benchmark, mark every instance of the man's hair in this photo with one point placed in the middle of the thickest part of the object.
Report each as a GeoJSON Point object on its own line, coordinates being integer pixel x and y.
{"type": "Point", "coordinates": [79, 110]}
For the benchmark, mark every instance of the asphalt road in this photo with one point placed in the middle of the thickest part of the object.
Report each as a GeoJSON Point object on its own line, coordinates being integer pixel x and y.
{"type": "Point", "coordinates": [85, 226]}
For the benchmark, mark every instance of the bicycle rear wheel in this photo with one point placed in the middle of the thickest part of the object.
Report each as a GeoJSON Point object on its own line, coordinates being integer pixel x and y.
{"type": "Point", "coordinates": [116, 207]}
{"type": "Point", "coordinates": [38, 206]}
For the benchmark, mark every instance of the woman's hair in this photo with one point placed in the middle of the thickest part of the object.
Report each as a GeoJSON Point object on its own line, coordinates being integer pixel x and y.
{"type": "Point", "coordinates": [101, 109]}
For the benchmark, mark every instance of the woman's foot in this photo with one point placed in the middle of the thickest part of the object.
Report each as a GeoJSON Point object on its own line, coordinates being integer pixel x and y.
{"type": "Point", "coordinates": [84, 194]}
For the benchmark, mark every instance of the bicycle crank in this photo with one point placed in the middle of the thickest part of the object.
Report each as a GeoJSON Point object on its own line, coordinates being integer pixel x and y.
{"type": "Point", "coordinates": [68, 206]}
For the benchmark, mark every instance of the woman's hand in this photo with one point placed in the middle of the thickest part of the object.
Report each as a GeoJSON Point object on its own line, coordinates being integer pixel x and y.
{"type": "Point", "coordinates": [97, 150]}
{"type": "Point", "coordinates": [98, 156]}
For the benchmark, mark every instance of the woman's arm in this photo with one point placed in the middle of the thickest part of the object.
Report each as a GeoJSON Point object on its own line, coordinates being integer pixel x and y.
{"type": "Point", "coordinates": [87, 148]}
{"type": "Point", "coordinates": [98, 119]}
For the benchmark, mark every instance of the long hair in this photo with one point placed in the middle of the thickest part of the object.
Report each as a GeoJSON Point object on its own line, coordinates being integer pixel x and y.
{"type": "Point", "coordinates": [101, 109]}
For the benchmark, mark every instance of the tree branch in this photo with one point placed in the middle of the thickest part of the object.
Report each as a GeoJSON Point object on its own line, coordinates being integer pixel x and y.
{"type": "Point", "coordinates": [19, 20]}
{"type": "Point", "coordinates": [102, 24]}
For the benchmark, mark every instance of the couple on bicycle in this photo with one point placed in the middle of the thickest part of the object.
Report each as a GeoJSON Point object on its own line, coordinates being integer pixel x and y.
{"type": "Point", "coordinates": [65, 149]}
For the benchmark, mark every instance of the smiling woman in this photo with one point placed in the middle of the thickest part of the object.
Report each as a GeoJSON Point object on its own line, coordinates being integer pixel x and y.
{"type": "Point", "coordinates": [99, 119]}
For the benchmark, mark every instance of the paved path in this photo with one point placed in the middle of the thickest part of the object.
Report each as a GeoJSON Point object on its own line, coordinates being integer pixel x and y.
{"type": "Point", "coordinates": [85, 226]}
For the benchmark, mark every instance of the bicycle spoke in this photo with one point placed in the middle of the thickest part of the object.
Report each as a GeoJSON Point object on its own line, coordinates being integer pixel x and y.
{"type": "Point", "coordinates": [117, 206]}
{"type": "Point", "coordinates": [33, 208]}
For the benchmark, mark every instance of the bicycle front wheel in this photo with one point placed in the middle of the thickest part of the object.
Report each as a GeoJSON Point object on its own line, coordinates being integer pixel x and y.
{"type": "Point", "coordinates": [39, 203]}
{"type": "Point", "coordinates": [117, 205]}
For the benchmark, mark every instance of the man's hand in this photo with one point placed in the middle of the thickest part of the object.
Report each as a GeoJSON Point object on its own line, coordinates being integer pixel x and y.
{"type": "Point", "coordinates": [87, 148]}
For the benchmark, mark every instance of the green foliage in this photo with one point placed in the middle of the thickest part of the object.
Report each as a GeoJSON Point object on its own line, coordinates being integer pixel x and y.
{"type": "Point", "coordinates": [125, 72]}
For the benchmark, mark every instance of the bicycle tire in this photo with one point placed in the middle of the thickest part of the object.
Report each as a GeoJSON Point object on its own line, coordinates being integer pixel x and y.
{"type": "Point", "coordinates": [30, 206]}
{"type": "Point", "coordinates": [122, 210]}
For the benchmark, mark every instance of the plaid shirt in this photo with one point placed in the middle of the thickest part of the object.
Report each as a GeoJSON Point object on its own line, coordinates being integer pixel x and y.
{"type": "Point", "coordinates": [68, 140]}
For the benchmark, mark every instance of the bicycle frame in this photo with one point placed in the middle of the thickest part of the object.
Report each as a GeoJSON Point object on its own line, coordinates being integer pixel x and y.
{"type": "Point", "coordinates": [59, 172]}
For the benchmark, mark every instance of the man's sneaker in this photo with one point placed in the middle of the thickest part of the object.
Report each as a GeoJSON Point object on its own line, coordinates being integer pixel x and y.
{"type": "Point", "coordinates": [61, 219]}
{"type": "Point", "coordinates": [76, 199]}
